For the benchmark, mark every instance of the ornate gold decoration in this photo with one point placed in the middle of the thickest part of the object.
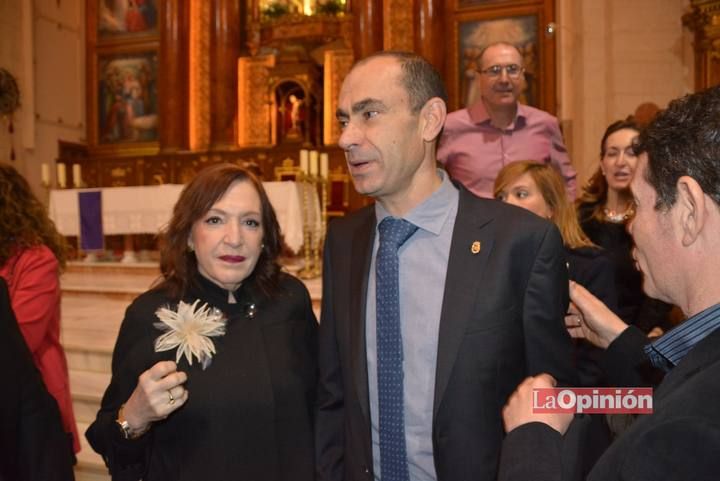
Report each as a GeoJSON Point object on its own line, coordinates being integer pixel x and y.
{"type": "Point", "coordinates": [199, 111]}
{"type": "Point", "coordinates": [337, 65]}
{"type": "Point", "coordinates": [254, 125]}
{"type": "Point", "coordinates": [287, 171]}
{"type": "Point", "coordinates": [398, 32]}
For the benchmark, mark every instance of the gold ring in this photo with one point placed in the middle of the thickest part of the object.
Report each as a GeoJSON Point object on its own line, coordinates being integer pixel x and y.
{"type": "Point", "coordinates": [172, 398]}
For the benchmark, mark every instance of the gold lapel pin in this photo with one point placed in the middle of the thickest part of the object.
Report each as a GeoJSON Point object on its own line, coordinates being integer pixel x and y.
{"type": "Point", "coordinates": [475, 247]}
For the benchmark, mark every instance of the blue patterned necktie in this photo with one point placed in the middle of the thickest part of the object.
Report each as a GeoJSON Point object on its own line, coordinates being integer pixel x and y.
{"type": "Point", "coordinates": [393, 455]}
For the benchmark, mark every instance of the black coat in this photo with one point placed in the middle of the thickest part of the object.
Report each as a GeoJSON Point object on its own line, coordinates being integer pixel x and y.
{"type": "Point", "coordinates": [633, 305]}
{"type": "Point", "coordinates": [680, 441]}
{"type": "Point", "coordinates": [593, 269]}
{"type": "Point", "coordinates": [249, 415]}
{"type": "Point", "coordinates": [33, 443]}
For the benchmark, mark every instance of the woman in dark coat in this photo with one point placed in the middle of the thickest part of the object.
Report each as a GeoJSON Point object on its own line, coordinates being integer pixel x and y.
{"type": "Point", "coordinates": [214, 370]}
{"type": "Point", "coordinates": [604, 210]}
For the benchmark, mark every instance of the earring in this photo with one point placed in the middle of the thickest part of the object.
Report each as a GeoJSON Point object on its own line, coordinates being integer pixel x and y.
{"type": "Point", "coordinates": [191, 248]}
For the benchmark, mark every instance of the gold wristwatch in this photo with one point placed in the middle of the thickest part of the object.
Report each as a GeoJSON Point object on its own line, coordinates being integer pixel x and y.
{"type": "Point", "coordinates": [125, 429]}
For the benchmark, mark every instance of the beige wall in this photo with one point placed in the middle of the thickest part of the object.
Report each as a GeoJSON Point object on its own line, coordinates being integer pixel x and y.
{"type": "Point", "coordinates": [613, 56]}
{"type": "Point", "coordinates": [42, 44]}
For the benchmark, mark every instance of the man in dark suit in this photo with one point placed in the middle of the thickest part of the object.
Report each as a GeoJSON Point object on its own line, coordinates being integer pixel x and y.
{"type": "Point", "coordinates": [676, 230]}
{"type": "Point", "coordinates": [33, 444]}
{"type": "Point", "coordinates": [480, 294]}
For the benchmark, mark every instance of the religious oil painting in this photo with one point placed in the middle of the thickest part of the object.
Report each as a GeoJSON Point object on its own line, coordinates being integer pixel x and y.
{"type": "Point", "coordinates": [127, 98]}
{"type": "Point", "coordinates": [127, 17]}
{"type": "Point", "coordinates": [521, 31]}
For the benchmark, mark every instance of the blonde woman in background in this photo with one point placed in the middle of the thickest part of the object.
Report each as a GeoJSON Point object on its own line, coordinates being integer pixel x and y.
{"type": "Point", "coordinates": [540, 189]}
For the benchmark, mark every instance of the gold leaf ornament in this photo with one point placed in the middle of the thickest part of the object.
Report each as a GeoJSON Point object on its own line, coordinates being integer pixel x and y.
{"type": "Point", "coordinates": [189, 329]}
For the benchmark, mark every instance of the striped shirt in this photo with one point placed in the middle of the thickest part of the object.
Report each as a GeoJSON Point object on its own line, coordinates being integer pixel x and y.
{"type": "Point", "coordinates": [667, 352]}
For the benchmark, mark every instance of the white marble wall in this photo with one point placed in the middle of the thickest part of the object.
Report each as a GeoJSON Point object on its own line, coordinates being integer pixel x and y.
{"type": "Point", "coordinates": [613, 56]}
{"type": "Point", "coordinates": [42, 42]}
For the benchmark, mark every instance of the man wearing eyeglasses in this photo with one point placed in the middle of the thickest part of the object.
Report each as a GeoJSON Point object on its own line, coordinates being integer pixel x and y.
{"type": "Point", "coordinates": [479, 140]}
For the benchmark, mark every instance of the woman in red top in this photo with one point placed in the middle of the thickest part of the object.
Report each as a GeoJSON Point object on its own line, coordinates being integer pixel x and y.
{"type": "Point", "coordinates": [32, 253]}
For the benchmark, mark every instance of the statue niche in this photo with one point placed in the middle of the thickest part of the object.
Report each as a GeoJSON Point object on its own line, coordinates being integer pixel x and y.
{"type": "Point", "coordinates": [294, 114]}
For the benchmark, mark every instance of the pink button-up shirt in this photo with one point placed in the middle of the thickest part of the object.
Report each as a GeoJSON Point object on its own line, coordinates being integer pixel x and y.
{"type": "Point", "coordinates": [473, 151]}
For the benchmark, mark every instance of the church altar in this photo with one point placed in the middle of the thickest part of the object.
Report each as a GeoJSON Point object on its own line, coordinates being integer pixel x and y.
{"type": "Point", "coordinates": [147, 209]}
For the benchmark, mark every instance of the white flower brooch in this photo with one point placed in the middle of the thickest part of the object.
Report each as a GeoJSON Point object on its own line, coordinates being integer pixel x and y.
{"type": "Point", "coordinates": [189, 329]}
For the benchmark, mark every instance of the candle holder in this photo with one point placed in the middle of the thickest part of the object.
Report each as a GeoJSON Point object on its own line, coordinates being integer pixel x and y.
{"type": "Point", "coordinates": [323, 224]}
{"type": "Point", "coordinates": [308, 271]}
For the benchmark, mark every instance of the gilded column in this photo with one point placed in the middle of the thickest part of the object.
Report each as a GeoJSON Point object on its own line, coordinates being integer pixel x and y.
{"type": "Point", "coordinates": [199, 121]}
{"type": "Point", "coordinates": [368, 27]}
{"type": "Point", "coordinates": [173, 75]}
{"type": "Point", "coordinates": [398, 25]}
{"type": "Point", "coordinates": [429, 32]}
{"type": "Point", "coordinates": [225, 49]}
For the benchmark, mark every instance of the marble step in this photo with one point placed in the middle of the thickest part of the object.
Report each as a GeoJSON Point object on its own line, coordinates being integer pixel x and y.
{"type": "Point", "coordinates": [115, 277]}
{"type": "Point", "coordinates": [87, 389]}
{"type": "Point", "coordinates": [90, 324]}
{"type": "Point", "coordinates": [90, 465]}
{"type": "Point", "coordinates": [147, 268]}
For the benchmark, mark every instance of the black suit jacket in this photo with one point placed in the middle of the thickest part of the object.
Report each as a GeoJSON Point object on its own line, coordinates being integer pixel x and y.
{"type": "Point", "coordinates": [679, 441]}
{"type": "Point", "coordinates": [33, 443]}
{"type": "Point", "coordinates": [501, 320]}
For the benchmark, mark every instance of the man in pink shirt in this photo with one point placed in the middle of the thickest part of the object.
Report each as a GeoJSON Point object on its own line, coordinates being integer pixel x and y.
{"type": "Point", "coordinates": [479, 140]}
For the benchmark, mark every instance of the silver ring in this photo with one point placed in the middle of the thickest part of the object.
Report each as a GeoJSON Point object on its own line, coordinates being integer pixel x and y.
{"type": "Point", "coordinates": [171, 399]}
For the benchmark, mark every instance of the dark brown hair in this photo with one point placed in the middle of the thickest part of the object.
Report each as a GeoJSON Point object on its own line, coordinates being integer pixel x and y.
{"type": "Point", "coordinates": [420, 79]}
{"type": "Point", "coordinates": [595, 191]}
{"type": "Point", "coordinates": [179, 266]}
{"type": "Point", "coordinates": [24, 221]}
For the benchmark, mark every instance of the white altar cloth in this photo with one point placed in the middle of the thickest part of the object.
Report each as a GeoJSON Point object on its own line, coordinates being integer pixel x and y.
{"type": "Point", "coordinates": [147, 209]}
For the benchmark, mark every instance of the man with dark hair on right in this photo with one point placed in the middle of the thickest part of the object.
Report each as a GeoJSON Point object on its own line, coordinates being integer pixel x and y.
{"type": "Point", "coordinates": [677, 235]}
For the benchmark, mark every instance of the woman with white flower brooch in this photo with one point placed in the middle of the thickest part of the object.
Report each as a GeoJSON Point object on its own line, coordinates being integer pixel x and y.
{"type": "Point", "coordinates": [214, 370]}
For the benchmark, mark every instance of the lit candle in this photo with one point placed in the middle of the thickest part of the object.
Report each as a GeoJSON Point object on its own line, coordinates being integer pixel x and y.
{"type": "Point", "coordinates": [61, 175]}
{"type": "Point", "coordinates": [324, 163]}
{"type": "Point", "coordinates": [304, 161]}
{"type": "Point", "coordinates": [77, 181]}
{"type": "Point", "coordinates": [45, 174]}
{"type": "Point", "coordinates": [314, 163]}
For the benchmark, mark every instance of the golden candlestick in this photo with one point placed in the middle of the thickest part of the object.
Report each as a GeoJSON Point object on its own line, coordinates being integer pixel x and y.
{"type": "Point", "coordinates": [307, 184]}
{"type": "Point", "coordinates": [323, 224]}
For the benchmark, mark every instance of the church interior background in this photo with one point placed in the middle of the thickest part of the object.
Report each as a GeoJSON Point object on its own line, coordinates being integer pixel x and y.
{"type": "Point", "coordinates": [140, 93]}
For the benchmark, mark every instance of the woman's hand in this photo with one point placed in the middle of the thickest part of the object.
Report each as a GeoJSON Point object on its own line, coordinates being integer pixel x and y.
{"type": "Point", "coordinates": [158, 393]}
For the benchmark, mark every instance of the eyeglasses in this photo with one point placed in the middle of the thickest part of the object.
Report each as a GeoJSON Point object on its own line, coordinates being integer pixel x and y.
{"type": "Point", "coordinates": [512, 70]}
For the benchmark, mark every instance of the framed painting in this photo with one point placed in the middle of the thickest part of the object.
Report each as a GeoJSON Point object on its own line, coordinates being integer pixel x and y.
{"type": "Point", "coordinates": [126, 17]}
{"type": "Point", "coordinates": [124, 104]}
{"type": "Point", "coordinates": [522, 26]}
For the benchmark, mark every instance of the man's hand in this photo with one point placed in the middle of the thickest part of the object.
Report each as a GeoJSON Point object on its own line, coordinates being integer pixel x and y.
{"type": "Point", "coordinates": [588, 318]}
{"type": "Point", "coordinates": [519, 408]}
